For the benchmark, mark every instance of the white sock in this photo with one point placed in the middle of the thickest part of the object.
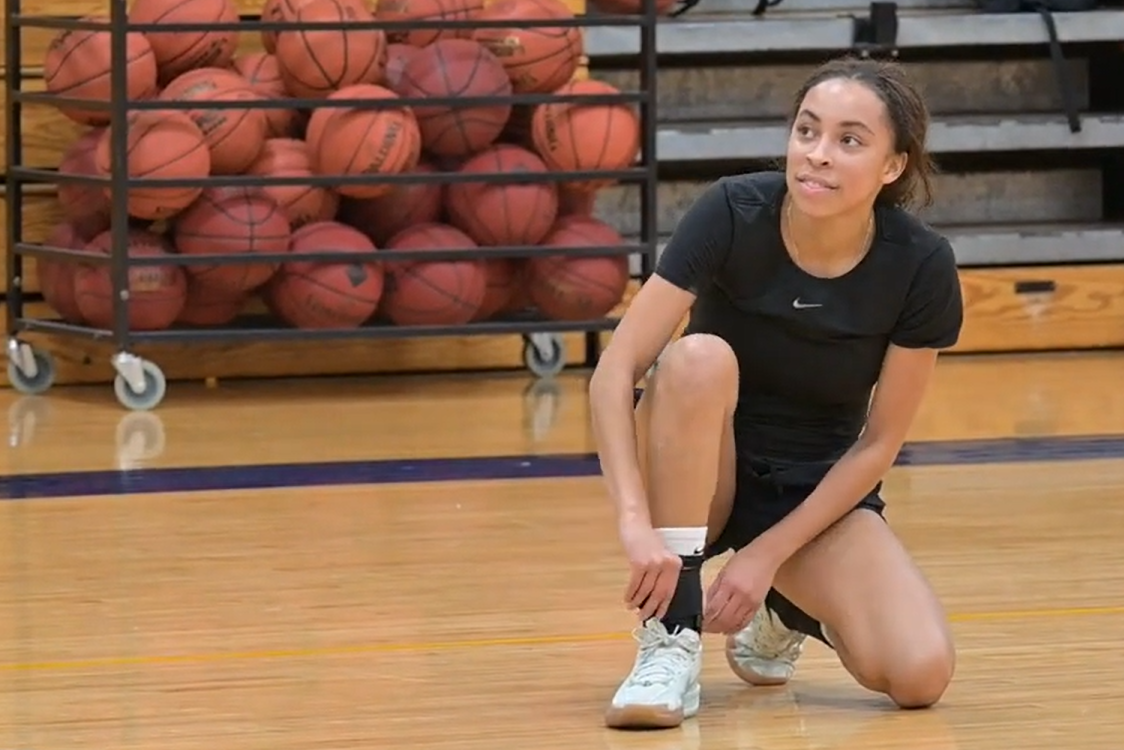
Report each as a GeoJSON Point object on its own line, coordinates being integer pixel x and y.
{"type": "Point", "coordinates": [685, 541]}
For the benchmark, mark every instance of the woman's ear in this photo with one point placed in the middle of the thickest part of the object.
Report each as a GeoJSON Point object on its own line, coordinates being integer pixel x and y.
{"type": "Point", "coordinates": [895, 168]}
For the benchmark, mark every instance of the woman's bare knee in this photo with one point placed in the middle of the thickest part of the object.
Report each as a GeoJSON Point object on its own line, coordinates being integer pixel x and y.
{"type": "Point", "coordinates": [914, 675]}
{"type": "Point", "coordinates": [696, 368]}
{"type": "Point", "coordinates": [877, 608]}
{"type": "Point", "coordinates": [920, 679]}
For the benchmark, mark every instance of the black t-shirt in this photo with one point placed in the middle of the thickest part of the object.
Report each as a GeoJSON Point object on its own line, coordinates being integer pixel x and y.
{"type": "Point", "coordinates": [809, 349]}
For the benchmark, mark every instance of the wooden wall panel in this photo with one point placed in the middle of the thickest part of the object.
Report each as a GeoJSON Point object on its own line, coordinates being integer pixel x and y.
{"type": "Point", "coordinates": [82, 361]}
{"type": "Point", "coordinates": [1006, 309]}
{"type": "Point", "coordinates": [40, 214]}
{"type": "Point", "coordinates": [1040, 308]}
{"type": "Point", "coordinates": [47, 133]}
{"type": "Point", "coordinates": [33, 50]}
{"type": "Point", "coordinates": [1043, 308]}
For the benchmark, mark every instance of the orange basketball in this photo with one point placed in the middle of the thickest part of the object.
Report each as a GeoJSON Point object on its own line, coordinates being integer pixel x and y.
{"type": "Point", "coordinates": [262, 71]}
{"type": "Point", "coordinates": [538, 59]}
{"type": "Point", "coordinates": [427, 10]}
{"type": "Point", "coordinates": [286, 10]}
{"type": "Point", "coordinates": [327, 294]}
{"type": "Point", "coordinates": [156, 293]}
{"type": "Point", "coordinates": [399, 208]}
{"type": "Point", "coordinates": [180, 51]}
{"type": "Point", "coordinates": [457, 67]}
{"type": "Point", "coordinates": [578, 288]}
{"type": "Point", "coordinates": [232, 220]}
{"type": "Point", "coordinates": [357, 142]}
{"type": "Point", "coordinates": [56, 275]}
{"type": "Point", "coordinates": [578, 137]}
{"type": "Point", "coordinates": [209, 306]}
{"type": "Point", "coordinates": [444, 292]}
{"type": "Point", "coordinates": [497, 213]}
{"type": "Point", "coordinates": [162, 144]}
{"type": "Point", "coordinates": [234, 136]}
{"type": "Point", "coordinates": [315, 63]}
{"type": "Point", "coordinates": [302, 204]}
{"type": "Point", "coordinates": [318, 117]}
{"type": "Point", "coordinates": [87, 207]}
{"type": "Point", "coordinates": [77, 65]}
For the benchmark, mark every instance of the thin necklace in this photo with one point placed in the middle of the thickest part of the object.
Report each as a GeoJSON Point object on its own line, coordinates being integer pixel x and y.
{"type": "Point", "coordinates": [796, 248]}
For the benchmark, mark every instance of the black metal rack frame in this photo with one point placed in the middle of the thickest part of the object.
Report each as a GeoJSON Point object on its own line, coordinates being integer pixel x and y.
{"type": "Point", "coordinates": [131, 373]}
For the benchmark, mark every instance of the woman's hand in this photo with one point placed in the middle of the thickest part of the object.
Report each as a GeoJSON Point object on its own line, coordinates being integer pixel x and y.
{"type": "Point", "coordinates": [738, 591]}
{"type": "Point", "coordinates": [654, 570]}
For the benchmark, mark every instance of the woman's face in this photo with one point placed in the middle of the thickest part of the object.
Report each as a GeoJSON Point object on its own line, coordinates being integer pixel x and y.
{"type": "Point", "coordinates": [840, 149]}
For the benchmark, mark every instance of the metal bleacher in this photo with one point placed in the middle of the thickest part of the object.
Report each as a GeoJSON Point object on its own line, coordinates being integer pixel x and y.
{"type": "Point", "coordinates": [1018, 187]}
{"type": "Point", "coordinates": [803, 25]}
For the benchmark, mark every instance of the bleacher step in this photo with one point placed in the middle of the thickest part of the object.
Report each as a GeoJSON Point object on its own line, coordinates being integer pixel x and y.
{"type": "Point", "coordinates": [724, 92]}
{"type": "Point", "coordinates": [718, 141]}
{"type": "Point", "coordinates": [1021, 244]}
{"type": "Point", "coordinates": [1056, 196]}
{"type": "Point", "coordinates": [699, 34]}
{"type": "Point", "coordinates": [1036, 244]}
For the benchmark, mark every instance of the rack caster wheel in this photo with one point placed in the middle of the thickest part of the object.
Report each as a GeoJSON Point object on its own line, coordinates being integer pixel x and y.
{"type": "Point", "coordinates": [544, 354]}
{"type": "Point", "coordinates": [30, 371]}
{"type": "Point", "coordinates": [149, 394]}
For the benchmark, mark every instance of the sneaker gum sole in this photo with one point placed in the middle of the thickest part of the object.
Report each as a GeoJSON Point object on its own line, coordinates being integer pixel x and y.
{"type": "Point", "coordinates": [642, 717]}
{"type": "Point", "coordinates": [653, 717]}
{"type": "Point", "coordinates": [750, 677]}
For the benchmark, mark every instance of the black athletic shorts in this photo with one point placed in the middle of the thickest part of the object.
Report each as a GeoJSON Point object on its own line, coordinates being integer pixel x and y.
{"type": "Point", "coordinates": [767, 491]}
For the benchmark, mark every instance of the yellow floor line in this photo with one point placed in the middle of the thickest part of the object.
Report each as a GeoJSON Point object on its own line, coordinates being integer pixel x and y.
{"type": "Point", "coordinates": [421, 646]}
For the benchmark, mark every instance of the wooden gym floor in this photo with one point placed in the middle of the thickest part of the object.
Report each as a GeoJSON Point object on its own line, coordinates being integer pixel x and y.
{"type": "Point", "coordinates": [348, 564]}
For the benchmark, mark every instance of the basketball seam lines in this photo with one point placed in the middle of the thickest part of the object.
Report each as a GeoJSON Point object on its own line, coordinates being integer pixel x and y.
{"type": "Point", "coordinates": [74, 49]}
{"type": "Point", "coordinates": [163, 117]}
{"type": "Point", "coordinates": [345, 38]}
{"type": "Point", "coordinates": [311, 56]}
{"type": "Point", "coordinates": [171, 62]}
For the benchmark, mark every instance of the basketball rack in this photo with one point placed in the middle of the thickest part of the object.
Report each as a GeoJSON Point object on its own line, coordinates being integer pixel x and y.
{"type": "Point", "coordinates": [140, 384]}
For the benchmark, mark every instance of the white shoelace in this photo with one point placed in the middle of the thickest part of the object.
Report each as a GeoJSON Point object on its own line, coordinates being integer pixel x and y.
{"type": "Point", "coordinates": [661, 656]}
{"type": "Point", "coordinates": [775, 640]}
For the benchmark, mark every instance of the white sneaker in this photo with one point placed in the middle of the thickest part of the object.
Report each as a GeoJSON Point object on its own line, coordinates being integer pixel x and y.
{"type": "Point", "coordinates": [765, 653]}
{"type": "Point", "coordinates": [663, 688]}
